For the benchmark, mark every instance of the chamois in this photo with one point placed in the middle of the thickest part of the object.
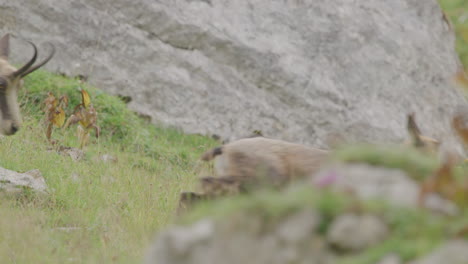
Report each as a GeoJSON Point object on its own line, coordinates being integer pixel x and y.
{"type": "Point", "coordinates": [11, 80]}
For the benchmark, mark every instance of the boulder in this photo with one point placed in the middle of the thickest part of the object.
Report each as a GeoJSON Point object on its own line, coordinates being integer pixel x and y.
{"type": "Point", "coordinates": [303, 71]}
{"type": "Point", "coordinates": [14, 182]}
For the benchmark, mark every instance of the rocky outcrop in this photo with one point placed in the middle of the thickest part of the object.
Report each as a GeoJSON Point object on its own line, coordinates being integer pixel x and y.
{"type": "Point", "coordinates": [14, 182]}
{"type": "Point", "coordinates": [303, 71]}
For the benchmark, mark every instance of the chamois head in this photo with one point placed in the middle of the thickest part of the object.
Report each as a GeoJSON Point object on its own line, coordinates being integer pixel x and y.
{"type": "Point", "coordinates": [11, 80]}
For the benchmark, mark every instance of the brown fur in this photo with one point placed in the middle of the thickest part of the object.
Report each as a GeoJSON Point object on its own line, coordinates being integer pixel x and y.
{"type": "Point", "coordinates": [222, 186]}
{"type": "Point", "coordinates": [278, 160]}
{"type": "Point", "coordinates": [187, 200]}
{"type": "Point", "coordinates": [212, 188]}
{"type": "Point", "coordinates": [250, 163]}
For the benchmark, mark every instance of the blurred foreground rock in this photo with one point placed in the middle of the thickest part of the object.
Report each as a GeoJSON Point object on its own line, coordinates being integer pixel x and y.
{"type": "Point", "coordinates": [453, 252]}
{"type": "Point", "coordinates": [305, 234]}
{"type": "Point", "coordinates": [245, 239]}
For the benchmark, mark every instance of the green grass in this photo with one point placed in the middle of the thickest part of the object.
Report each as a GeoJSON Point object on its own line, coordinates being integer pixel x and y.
{"type": "Point", "coordinates": [96, 212]}
{"type": "Point", "coordinates": [457, 12]}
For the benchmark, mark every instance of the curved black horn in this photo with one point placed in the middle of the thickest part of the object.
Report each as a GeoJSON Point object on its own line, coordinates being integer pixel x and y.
{"type": "Point", "coordinates": [52, 52]}
{"type": "Point", "coordinates": [23, 69]}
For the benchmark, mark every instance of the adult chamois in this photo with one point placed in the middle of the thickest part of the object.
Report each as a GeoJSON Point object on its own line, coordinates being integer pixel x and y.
{"type": "Point", "coordinates": [11, 80]}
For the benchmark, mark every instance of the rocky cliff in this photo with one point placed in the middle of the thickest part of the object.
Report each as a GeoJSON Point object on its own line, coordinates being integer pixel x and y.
{"type": "Point", "coordinates": [304, 71]}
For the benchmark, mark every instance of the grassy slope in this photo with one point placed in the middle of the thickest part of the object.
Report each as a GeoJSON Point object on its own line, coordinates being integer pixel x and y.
{"type": "Point", "coordinates": [457, 11]}
{"type": "Point", "coordinates": [115, 208]}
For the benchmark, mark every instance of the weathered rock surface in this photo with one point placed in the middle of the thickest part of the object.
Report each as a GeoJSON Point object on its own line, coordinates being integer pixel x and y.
{"type": "Point", "coordinates": [453, 252]}
{"type": "Point", "coordinates": [304, 71]}
{"type": "Point", "coordinates": [13, 182]}
{"type": "Point", "coordinates": [243, 240]}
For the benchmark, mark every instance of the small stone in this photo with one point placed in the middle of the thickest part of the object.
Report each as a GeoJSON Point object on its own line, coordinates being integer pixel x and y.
{"type": "Point", "coordinates": [107, 158]}
{"type": "Point", "coordinates": [74, 153]}
{"type": "Point", "coordinates": [75, 177]}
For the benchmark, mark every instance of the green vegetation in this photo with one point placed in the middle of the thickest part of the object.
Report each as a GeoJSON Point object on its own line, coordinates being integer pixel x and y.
{"type": "Point", "coordinates": [457, 12]}
{"type": "Point", "coordinates": [96, 212]}
{"type": "Point", "coordinates": [417, 164]}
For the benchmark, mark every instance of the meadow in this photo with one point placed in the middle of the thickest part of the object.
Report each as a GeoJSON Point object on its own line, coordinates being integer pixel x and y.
{"type": "Point", "coordinates": [95, 211]}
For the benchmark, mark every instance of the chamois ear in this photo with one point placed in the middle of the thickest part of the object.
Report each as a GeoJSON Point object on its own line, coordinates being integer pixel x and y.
{"type": "Point", "coordinates": [5, 46]}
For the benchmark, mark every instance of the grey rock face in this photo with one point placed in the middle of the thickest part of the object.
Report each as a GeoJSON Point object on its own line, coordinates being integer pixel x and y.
{"type": "Point", "coordinates": [246, 239]}
{"type": "Point", "coordinates": [303, 71]}
{"type": "Point", "coordinates": [453, 252]}
{"type": "Point", "coordinates": [13, 182]}
{"type": "Point", "coordinates": [351, 232]}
